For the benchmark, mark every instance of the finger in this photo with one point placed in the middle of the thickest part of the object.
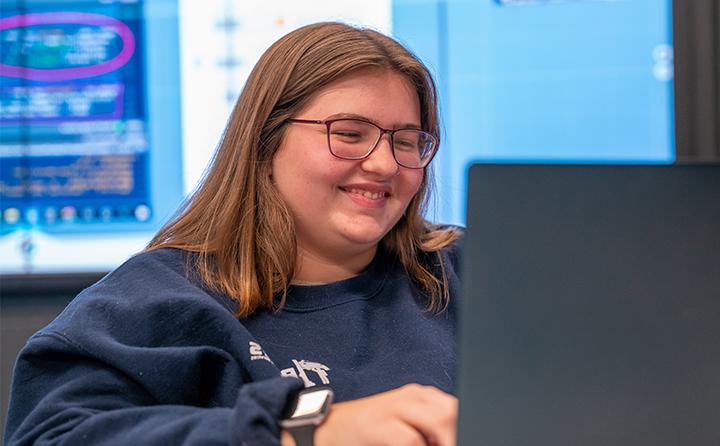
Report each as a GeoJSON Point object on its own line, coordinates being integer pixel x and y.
{"type": "Point", "coordinates": [441, 402]}
{"type": "Point", "coordinates": [437, 430]}
{"type": "Point", "coordinates": [436, 396]}
{"type": "Point", "coordinates": [402, 434]}
{"type": "Point", "coordinates": [435, 419]}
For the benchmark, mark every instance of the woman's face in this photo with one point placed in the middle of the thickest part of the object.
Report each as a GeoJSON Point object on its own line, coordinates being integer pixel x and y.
{"type": "Point", "coordinates": [345, 207]}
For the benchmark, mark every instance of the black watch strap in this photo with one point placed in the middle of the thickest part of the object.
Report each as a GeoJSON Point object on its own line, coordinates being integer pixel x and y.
{"type": "Point", "coordinates": [303, 435]}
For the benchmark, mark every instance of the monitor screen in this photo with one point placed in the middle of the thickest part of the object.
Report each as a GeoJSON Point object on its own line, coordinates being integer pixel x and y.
{"type": "Point", "coordinates": [110, 110]}
{"type": "Point", "coordinates": [90, 112]}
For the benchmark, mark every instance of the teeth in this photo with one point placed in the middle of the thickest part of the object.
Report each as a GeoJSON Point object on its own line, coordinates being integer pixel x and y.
{"type": "Point", "coordinates": [368, 194]}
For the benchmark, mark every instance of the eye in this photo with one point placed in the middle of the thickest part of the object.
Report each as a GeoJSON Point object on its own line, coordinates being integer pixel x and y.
{"type": "Point", "coordinates": [346, 133]}
{"type": "Point", "coordinates": [351, 131]}
{"type": "Point", "coordinates": [407, 140]}
{"type": "Point", "coordinates": [405, 144]}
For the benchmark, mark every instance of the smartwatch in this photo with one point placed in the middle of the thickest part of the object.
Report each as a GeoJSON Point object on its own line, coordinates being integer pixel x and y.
{"type": "Point", "coordinates": [306, 413]}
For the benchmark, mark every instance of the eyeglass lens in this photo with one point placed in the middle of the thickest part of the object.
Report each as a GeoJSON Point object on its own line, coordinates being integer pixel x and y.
{"type": "Point", "coordinates": [353, 139]}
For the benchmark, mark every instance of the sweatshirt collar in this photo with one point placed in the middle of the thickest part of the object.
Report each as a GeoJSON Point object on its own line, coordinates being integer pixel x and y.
{"type": "Point", "coordinates": [361, 287]}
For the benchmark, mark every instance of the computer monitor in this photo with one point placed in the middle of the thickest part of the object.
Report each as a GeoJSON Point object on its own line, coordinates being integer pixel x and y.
{"type": "Point", "coordinates": [90, 146]}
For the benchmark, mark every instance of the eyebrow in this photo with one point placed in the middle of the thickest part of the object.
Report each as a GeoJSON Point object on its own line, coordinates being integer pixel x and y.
{"type": "Point", "coordinates": [365, 118]}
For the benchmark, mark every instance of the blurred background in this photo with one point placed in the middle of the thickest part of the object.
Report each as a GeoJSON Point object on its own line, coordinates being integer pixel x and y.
{"type": "Point", "coordinates": [111, 109]}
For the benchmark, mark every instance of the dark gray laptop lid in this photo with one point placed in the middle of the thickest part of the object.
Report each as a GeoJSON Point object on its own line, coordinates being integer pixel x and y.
{"type": "Point", "coordinates": [590, 312]}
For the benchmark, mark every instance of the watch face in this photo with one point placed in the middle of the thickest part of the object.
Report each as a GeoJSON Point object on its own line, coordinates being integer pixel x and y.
{"type": "Point", "coordinates": [311, 403]}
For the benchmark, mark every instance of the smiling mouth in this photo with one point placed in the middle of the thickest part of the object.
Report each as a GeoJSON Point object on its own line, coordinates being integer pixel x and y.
{"type": "Point", "coordinates": [366, 193]}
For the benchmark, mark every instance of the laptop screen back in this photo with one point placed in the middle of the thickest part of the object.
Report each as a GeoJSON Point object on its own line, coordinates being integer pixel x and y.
{"type": "Point", "coordinates": [590, 312]}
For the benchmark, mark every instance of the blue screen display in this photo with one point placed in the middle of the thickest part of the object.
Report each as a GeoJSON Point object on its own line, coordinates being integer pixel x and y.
{"type": "Point", "coordinates": [90, 107]}
{"type": "Point", "coordinates": [74, 124]}
{"type": "Point", "coordinates": [82, 137]}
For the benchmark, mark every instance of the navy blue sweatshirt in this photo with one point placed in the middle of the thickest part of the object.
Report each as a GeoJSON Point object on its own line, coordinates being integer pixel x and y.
{"type": "Point", "coordinates": [148, 356]}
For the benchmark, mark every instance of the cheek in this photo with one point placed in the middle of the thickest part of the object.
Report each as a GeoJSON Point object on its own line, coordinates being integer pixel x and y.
{"type": "Point", "coordinates": [307, 185]}
{"type": "Point", "coordinates": [411, 182]}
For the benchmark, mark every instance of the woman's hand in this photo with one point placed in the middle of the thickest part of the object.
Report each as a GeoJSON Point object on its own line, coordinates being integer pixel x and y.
{"type": "Point", "coordinates": [409, 415]}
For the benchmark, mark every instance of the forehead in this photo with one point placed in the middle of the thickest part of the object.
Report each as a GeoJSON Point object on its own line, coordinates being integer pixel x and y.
{"type": "Point", "coordinates": [381, 95]}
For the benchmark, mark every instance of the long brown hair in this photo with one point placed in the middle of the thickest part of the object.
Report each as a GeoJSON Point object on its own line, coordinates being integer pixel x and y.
{"type": "Point", "coordinates": [237, 222]}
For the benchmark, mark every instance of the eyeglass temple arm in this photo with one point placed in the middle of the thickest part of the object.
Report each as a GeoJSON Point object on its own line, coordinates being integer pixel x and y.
{"type": "Point", "coordinates": [306, 121]}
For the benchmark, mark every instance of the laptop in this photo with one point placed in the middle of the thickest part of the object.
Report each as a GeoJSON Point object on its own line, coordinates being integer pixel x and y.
{"type": "Point", "coordinates": [590, 308]}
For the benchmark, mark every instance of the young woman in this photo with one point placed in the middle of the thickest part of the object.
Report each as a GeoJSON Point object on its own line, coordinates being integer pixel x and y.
{"type": "Point", "coordinates": [301, 262]}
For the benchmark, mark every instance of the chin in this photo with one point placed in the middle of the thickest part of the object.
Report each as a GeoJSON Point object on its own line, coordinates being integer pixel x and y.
{"type": "Point", "coordinates": [366, 236]}
{"type": "Point", "coordinates": [364, 231]}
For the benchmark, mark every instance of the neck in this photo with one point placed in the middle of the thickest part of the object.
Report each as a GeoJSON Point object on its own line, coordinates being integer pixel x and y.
{"type": "Point", "coordinates": [316, 269]}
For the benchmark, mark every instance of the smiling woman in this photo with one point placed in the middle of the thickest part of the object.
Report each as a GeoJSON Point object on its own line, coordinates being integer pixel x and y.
{"type": "Point", "coordinates": [302, 260]}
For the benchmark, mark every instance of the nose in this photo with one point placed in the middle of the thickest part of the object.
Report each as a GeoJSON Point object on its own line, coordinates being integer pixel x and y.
{"type": "Point", "coordinates": [382, 161]}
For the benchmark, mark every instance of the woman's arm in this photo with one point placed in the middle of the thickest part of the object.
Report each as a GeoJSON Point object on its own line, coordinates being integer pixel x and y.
{"type": "Point", "coordinates": [62, 396]}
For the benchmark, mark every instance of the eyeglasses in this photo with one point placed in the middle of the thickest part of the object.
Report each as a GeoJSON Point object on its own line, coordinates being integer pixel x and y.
{"type": "Point", "coordinates": [355, 139]}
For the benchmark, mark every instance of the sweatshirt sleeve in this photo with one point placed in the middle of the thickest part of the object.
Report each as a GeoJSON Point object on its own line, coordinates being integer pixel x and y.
{"type": "Point", "coordinates": [146, 357]}
{"type": "Point", "coordinates": [62, 395]}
